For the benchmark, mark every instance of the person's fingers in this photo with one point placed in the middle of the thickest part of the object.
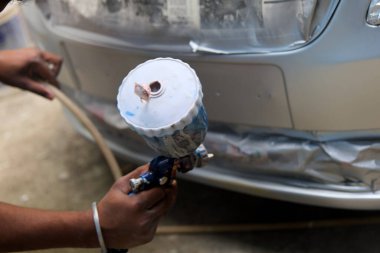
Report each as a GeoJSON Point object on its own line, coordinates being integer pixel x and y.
{"type": "Point", "coordinates": [41, 70]}
{"type": "Point", "coordinates": [123, 182]}
{"type": "Point", "coordinates": [38, 88]}
{"type": "Point", "coordinates": [163, 206]}
{"type": "Point", "coordinates": [153, 226]}
{"type": "Point", "coordinates": [171, 193]}
{"type": "Point", "coordinates": [149, 198]}
{"type": "Point", "coordinates": [54, 60]}
{"type": "Point", "coordinates": [138, 171]}
{"type": "Point", "coordinates": [152, 198]}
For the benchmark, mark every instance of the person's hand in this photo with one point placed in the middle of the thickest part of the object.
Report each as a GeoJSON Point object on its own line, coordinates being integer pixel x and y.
{"type": "Point", "coordinates": [131, 220]}
{"type": "Point", "coordinates": [26, 68]}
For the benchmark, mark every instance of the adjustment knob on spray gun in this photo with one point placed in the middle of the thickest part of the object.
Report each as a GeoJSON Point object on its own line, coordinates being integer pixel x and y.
{"type": "Point", "coordinates": [161, 100]}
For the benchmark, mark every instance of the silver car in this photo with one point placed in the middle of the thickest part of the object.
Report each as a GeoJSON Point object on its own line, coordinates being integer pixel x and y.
{"type": "Point", "coordinates": [291, 87]}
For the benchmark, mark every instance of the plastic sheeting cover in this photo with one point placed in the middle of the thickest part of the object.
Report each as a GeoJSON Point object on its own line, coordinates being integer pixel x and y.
{"type": "Point", "coordinates": [346, 162]}
{"type": "Point", "coordinates": [352, 159]}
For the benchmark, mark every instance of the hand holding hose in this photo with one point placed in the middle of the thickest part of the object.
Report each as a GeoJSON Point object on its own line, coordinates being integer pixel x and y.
{"type": "Point", "coordinates": [23, 68]}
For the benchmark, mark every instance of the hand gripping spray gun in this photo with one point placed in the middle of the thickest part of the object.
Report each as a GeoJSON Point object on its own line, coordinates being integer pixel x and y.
{"type": "Point", "coordinates": [161, 100]}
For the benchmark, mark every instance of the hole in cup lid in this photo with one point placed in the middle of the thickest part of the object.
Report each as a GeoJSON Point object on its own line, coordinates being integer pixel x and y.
{"type": "Point", "coordinates": [155, 89]}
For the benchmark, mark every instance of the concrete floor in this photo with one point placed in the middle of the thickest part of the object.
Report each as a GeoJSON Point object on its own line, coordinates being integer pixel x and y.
{"type": "Point", "coordinates": [44, 163]}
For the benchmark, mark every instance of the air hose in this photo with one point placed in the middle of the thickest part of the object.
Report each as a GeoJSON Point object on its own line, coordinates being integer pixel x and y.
{"type": "Point", "coordinates": [202, 229]}
{"type": "Point", "coordinates": [82, 117]}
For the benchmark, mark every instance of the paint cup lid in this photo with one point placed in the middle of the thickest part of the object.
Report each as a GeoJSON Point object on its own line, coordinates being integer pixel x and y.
{"type": "Point", "coordinates": [173, 100]}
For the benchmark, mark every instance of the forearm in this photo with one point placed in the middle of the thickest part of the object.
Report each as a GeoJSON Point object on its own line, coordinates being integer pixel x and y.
{"type": "Point", "coordinates": [28, 229]}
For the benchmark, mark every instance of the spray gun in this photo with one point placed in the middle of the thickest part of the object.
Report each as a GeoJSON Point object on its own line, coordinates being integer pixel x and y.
{"type": "Point", "coordinates": [161, 100]}
{"type": "Point", "coordinates": [162, 169]}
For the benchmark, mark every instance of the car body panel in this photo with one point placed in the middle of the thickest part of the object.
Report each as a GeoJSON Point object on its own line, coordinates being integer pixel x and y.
{"type": "Point", "coordinates": [324, 91]}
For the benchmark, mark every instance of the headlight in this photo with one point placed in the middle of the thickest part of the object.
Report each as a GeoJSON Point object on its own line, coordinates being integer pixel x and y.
{"type": "Point", "coordinates": [373, 16]}
{"type": "Point", "coordinates": [219, 26]}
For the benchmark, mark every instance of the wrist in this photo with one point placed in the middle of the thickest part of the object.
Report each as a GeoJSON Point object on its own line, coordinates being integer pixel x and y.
{"type": "Point", "coordinates": [87, 232]}
{"type": "Point", "coordinates": [80, 230]}
{"type": "Point", "coordinates": [77, 227]}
